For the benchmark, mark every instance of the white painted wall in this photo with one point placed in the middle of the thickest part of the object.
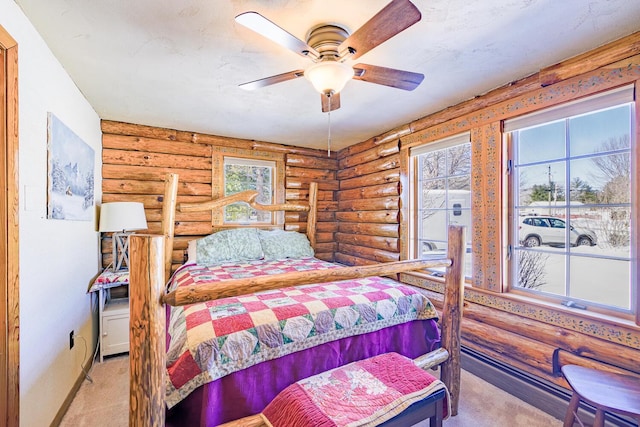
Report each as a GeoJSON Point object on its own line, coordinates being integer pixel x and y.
{"type": "Point", "coordinates": [58, 259]}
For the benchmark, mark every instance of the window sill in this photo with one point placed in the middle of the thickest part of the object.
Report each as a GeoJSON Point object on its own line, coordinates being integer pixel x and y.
{"type": "Point", "coordinates": [626, 320]}
{"type": "Point", "coordinates": [588, 322]}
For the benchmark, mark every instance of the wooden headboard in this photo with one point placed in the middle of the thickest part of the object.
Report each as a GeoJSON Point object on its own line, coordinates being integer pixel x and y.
{"type": "Point", "coordinates": [169, 207]}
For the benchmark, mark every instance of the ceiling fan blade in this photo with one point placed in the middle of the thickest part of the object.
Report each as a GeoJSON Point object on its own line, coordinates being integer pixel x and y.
{"type": "Point", "coordinates": [261, 25]}
{"type": "Point", "coordinates": [392, 19]}
{"type": "Point", "coordinates": [400, 79]}
{"type": "Point", "coordinates": [256, 84]}
{"type": "Point", "coordinates": [335, 102]}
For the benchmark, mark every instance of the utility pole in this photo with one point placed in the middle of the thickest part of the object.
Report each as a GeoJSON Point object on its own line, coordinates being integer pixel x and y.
{"type": "Point", "coordinates": [549, 176]}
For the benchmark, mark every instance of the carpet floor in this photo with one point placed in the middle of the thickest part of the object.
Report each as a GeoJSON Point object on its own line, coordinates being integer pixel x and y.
{"type": "Point", "coordinates": [105, 402]}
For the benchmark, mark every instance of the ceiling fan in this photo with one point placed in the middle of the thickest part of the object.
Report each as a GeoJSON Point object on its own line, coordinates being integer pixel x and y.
{"type": "Point", "coordinates": [330, 45]}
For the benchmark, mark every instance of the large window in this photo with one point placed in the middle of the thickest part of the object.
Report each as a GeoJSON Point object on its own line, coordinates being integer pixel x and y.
{"type": "Point", "coordinates": [242, 174]}
{"type": "Point", "coordinates": [572, 230]}
{"type": "Point", "coordinates": [441, 184]}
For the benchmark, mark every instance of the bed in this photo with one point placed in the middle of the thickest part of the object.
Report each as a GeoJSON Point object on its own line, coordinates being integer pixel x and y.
{"type": "Point", "coordinates": [242, 329]}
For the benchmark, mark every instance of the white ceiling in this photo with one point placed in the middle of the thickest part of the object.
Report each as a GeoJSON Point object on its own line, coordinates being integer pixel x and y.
{"type": "Point", "coordinates": [177, 64]}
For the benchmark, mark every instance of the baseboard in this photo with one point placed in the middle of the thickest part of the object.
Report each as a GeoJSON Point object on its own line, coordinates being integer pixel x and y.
{"type": "Point", "coordinates": [536, 391]}
{"type": "Point", "coordinates": [72, 394]}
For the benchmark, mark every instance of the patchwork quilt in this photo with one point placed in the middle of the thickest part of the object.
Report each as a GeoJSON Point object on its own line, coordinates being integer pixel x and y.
{"type": "Point", "coordinates": [210, 340]}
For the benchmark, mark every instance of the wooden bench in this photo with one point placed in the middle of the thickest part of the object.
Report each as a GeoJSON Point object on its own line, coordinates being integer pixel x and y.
{"type": "Point", "coordinates": [386, 390]}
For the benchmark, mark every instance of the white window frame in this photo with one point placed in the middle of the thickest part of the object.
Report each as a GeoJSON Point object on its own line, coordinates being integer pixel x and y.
{"type": "Point", "coordinates": [242, 161]}
{"type": "Point", "coordinates": [414, 229]}
{"type": "Point", "coordinates": [593, 104]}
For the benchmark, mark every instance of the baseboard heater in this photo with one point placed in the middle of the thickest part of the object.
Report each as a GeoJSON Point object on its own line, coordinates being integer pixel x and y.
{"type": "Point", "coordinates": [536, 391]}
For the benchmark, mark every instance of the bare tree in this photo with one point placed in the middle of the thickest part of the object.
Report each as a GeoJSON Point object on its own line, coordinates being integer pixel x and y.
{"type": "Point", "coordinates": [531, 272]}
{"type": "Point", "coordinates": [615, 168]}
{"type": "Point", "coordinates": [615, 165]}
{"type": "Point", "coordinates": [453, 162]}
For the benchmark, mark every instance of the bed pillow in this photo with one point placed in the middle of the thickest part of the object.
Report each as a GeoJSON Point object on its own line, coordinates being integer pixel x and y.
{"type": "Point", "coordinates": [280, 244]}
{"type": "Point", "coordinates": [238, 244]}
{"type": "Point", "coordinates": [192, 252]}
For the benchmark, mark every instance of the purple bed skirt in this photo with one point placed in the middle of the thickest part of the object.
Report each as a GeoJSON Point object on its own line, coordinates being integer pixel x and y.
{"type": "Point", "coordinates": [248, 392]}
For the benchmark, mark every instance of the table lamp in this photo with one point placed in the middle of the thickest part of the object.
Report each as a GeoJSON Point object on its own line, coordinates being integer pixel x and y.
{"type": "Point", "coordinates": [121, 218]}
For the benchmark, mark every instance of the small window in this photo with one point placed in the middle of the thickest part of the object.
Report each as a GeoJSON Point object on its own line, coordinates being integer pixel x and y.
{"type": "Point", "coordinates": [441, 185]}
{"type": "Point", "coordinates": [242, 174]}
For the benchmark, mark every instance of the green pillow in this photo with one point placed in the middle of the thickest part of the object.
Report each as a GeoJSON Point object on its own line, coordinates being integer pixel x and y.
{"type": "Point", "coordinates": [238, 244]}
{"type": "Point", "coordinates": [280, 244]}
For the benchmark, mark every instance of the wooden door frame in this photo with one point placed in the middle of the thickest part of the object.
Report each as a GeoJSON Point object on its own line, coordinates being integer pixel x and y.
{"type": "Point", "coordinates": [9, 249]}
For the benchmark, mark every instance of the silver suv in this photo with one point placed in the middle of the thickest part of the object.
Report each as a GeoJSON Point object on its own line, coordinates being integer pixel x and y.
{"type": "Point", "coordinates": [547, 230]}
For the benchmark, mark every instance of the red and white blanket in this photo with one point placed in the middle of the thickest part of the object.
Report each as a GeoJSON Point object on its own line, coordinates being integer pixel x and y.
{"type": "Point", "coordinates": [213, 339]}
{"type": "Point", "coordinates": [364, 393]}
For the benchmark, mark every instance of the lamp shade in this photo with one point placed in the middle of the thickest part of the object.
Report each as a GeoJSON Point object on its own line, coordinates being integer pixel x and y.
{"type": "Point", "coordinates": [122, 216]}
{"type": "Point", "coordinates": [329, 76]}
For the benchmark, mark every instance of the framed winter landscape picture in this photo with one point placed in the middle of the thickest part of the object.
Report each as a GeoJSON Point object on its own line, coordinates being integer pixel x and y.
{"type": "Point", "coordinates": [71, 173]}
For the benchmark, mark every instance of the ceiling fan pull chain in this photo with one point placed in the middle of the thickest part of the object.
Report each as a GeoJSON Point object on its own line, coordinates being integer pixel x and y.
{"type": "Point", "coordinates": [329, 137]}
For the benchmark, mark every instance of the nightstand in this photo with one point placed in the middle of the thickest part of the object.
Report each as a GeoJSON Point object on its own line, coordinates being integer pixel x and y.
{"type": "Point", "coordinates": [113, 311]}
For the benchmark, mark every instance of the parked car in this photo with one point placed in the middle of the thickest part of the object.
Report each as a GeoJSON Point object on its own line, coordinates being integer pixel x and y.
{"type": "Point", "coordinates": [547, 230]}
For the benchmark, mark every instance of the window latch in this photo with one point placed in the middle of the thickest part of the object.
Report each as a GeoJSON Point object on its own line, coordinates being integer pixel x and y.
{"type": "Point", "coordinates": [573, 304]}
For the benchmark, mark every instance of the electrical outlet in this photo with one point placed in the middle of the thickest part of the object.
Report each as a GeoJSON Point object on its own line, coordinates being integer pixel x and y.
{"type": "Point", "coordinates": [71, 339]}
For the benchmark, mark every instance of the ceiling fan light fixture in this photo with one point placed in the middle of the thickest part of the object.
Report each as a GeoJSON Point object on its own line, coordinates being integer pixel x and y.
{"type": "Point", "coordinates": [329, 77]}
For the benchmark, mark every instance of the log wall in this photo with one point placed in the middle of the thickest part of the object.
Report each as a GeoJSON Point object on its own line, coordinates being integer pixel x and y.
{"type": "Point", "coordinates": [135, 160]}
{"type": "Point", "coordinates": [530, 335]}
{"type": "Point", "coordinates": [369, 202]}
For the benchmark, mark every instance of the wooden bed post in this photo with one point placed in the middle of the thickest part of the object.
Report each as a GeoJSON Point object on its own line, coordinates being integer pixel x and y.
{"type": "Point", "coordinates": [452, 313]}
{"type": "Point", "coordinates": [169, 219]}
{"type": "Point", "coordinates": [313, 214]}
{"type": "Point", "coordinates": [147, 352]}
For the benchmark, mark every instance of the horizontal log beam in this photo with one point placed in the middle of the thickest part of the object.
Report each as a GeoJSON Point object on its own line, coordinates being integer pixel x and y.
{"type": "Point", "coordinates": [382, 203]}
{"type": "Point", "coordinates": [392, 175]}
{"type": "Point", "coordinates": [314, 174]}
{"type": "Point", "coordinates": [346, 259]}
{"type": "Point", "coordinates": [230, 288]}
{"type": "Point", "coordinates": [382, 216]}
{"type": "Point", "coordinates": [380, 190]}
{"type": "Point", "coordinates": [370, 154]}
{"type": "Point", "coordinates": [154, 159]}
{"type": "Point", "coordinates": [139, 143]}
{"type": "Point", "coordinates": [378, 255]}
{"type": "Point", "coordinates": [325, 256]}
{"type": "Point", "coordinates": [391, 244]}
{"type": "Point", "coordinates": [379, 230]}
{"type": "Point", "coordinates": [392, 135]}
{"type": "Point", "coordinates": [303, 183]}
{"type": "Point", "coordinates": [321, 227]}
{"type": "Point", "coordinates": [592, 60]}
{"type": "Point", "coordinates": [150, 201]}
{"type": "Point", "coordinates": [148, 173]}
{"type": "Point", "coordinates": [300, 194]}
{"type": "Point", "coordinates": [183, 228]}
{"type": "Point", "coordinates": [132, 186]}
{"type": "Point", "coordinates": [327, 247]}
{"type": "Point", "coordinates": [311, 162]}
{"type": "Point", "coordinates": [120, 128]}
{"type": "Point", "coordinates": [302, 216]}
{"type": "Point", "coordinates": [383, 164]}
{"type": "Point", "coordinates": [154, 215]}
